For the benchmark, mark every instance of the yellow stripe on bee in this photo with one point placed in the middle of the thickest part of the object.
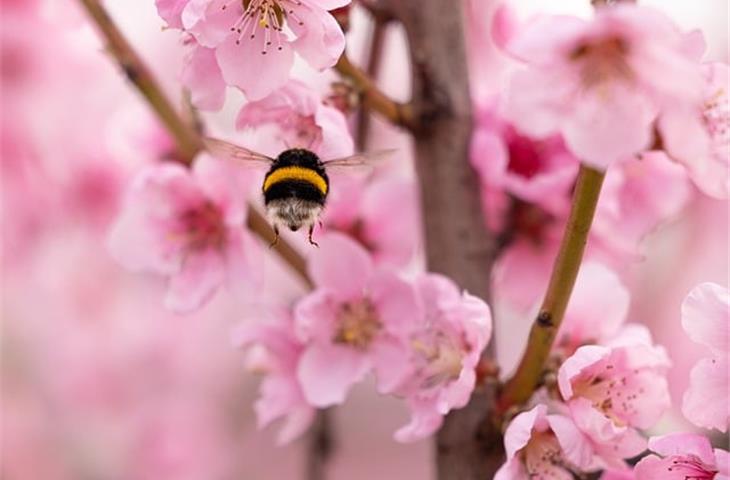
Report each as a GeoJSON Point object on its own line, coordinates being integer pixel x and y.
{"type": "Point", "coordinates": [296, 173]}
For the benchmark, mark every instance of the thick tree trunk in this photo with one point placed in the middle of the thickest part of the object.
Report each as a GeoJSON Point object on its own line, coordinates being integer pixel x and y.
{"type": "Point", "coordinates": [457, 241]}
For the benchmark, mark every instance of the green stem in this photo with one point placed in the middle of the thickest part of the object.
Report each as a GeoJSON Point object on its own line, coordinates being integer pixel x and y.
{"type": "Point", "coordinates": [562, 280]}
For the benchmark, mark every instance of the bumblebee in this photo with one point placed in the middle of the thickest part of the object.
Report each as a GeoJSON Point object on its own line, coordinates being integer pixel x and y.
{"type": "Point", "coordinates": [296, 186]}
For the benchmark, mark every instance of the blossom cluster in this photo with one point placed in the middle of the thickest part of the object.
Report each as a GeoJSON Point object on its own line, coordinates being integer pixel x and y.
{"type": "Point", "coordinates": [421, 338]}
{"type": "Point", "coordinates": [229, 37]}
{"type": "Point", "coordinates": [625, 92]}
{"type": "Point", "coordinates": [608, 392]}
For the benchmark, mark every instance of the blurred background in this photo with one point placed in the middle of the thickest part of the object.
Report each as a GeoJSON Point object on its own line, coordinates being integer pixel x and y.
{"type": "Point", "coordinates": [98, 380]}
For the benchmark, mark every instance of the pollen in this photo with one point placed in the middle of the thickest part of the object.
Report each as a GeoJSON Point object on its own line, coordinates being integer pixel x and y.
{"type": "Point", "coordinates": [716, 118]}
{"type": "Point", "coordinates": [263, 21]}
{"type": "Point", "coordinates": [357, 324]}
{"type": "Point", "coordinates": [602, 60]}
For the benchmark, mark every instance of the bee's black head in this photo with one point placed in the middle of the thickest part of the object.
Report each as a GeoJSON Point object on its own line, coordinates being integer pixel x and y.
{"type": "Point", "coordinates": [298, 157]}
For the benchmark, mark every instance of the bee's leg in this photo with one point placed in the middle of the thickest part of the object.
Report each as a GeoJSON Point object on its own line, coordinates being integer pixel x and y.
{"type": "Point", "coordinates": [276, 236]}
{"type": "Point", "coordinates": [311, 230]}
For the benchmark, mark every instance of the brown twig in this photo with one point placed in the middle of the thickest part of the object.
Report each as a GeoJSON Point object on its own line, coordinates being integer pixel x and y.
{"type": "Point", "coordinates": [457, 242]}
{"type": "Point", "coordinates": [372, 97]}
{"type": "Point", "coordinates": [562, 280]}
{"type": "Point", "coordinates": [257, 223]}
{"type": "Point", "coordinates": [375, 57]}
{"type": "Point", "coordinates": [187, 138]}
{"type": "Point", "coordinates": [320, 447]}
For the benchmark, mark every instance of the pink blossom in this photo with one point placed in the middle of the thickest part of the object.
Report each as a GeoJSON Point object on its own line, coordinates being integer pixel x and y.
{"type": "Point", "coordinates": [600, 83]}
{"type": "Point", "coordinates": [699, 136]}
{"type": "Point", "coordinates": [275, 352]}
{"type": "Point", "coordinates": [618, 475]}
{"type": "Point", "coordinates": [612, 390]}
{"type": "Point", "coordinates": [639, 195]}
{"type": "Point", "coordinates": [203, 78]}
{"type": "Point", "coordinates": [382, 214]}
{"type": "Point", "coordinates": [538, 171]}
{"type": "Point", "coordinates": [539, 445]}
{"type": "Point", "coordinates": [683, 456]}
{"type": "Point", "coordinates": [706, 319]}
{"type": "Point", "coordinates": [254, 42]}
{"type": "Point", "coordinates": [522, 271]}
{"type": "Point", "coordinates": [445, 347]}
{"type": "Point", "coordinates": [188, 226]}
{"type": "Point", "coordinates": [302, 120]}
{"type": "Point", "coordinates": [353, 322]}
{"type": "Point", "coordinates": [598, 307]}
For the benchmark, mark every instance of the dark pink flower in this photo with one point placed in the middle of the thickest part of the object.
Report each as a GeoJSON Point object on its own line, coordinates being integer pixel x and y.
{"type": "Point", "coordinates": [600, 83]}
{"type": "Point", "coordinates": [188, 226]}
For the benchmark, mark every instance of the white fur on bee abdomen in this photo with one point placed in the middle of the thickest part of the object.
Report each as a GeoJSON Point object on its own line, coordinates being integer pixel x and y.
{"type": "Point", "coordinates": [293, 213]}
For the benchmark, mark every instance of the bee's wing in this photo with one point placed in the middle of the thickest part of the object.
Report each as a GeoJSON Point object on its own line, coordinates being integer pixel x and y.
{"type": "Point", "coordinates": [362, 160]}
{"type": "Point", "coordinates": [230, 151]}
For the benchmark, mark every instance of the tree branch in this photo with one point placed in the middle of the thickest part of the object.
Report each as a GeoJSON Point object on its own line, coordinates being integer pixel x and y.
{"type": "Point", "coordinates": [457, 241]}
{"type": "Point", "coordinates": [187, 138]}
{"type": "Point", "coordinates": [320, 447]}
{"type": "Point", "coordinates": [375, 57]}
{"type": "Point", "coordinates": [372, 97]}
{"type": "Point", "coordinates": [562, 280]}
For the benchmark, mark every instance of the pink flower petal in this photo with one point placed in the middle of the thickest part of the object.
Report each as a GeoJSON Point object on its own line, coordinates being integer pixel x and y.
{"type": "Point", "coordinates": [315, 316]}
{"type": "Point", "coordinates": [391, 360]}
{"type": "Point", "coordinates": [320, 40]}
{"type": "Point", "coordinates": [576, 447]}
{"type": "Point", "coordinates": [336, 139]}
{"type": "Point", "coordinates": [329, 4]}
{"type": "Point", "coordinates": [706, 316]}
{"type": "Point", "coordinates": [201, 274]}
{"type": "Point", "coordinates": [683, 444]}
{"type": "Point", "coordinates": [706, 403]}
{"type": "Point", "coordinates": [396, 302]}
{"type": "Point", "coordinates": [203, 77]}
{"type": "Point", "coordinates": [608, 126]}
{"type": "Point", "coordinates": [271, 70]}
{"type": "Point", "coordinates": [340, 265]}
{"type": "Point", "coordinates": [512, 469]}
{"type": "Point", "coordinates": [326, 373]}
{"type": "Point", "coordinates": [519, 431]}
{"type": "Point", "coordinates": [583, 358]}
{"type": "Point", "coordinates": [424, 422]}
{"type": "Point", "coordinates": [598, 306]}
{"type": "Point", "coordinates": [170, 11]}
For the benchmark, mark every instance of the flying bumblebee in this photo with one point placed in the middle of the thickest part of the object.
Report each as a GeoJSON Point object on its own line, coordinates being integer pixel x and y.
{"type": "Point", "coordinates": [296, 185]}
